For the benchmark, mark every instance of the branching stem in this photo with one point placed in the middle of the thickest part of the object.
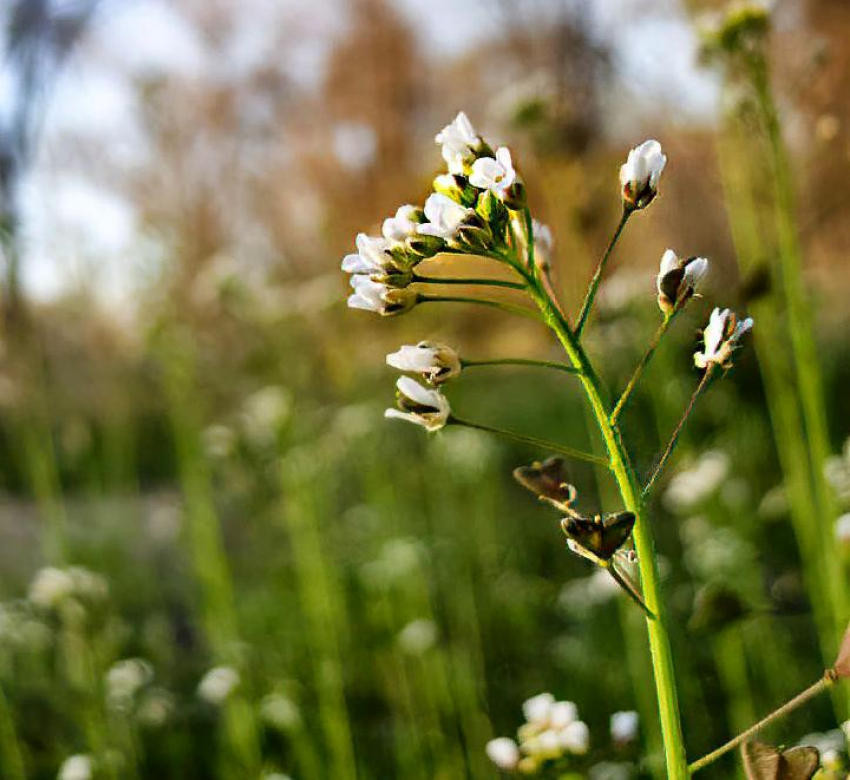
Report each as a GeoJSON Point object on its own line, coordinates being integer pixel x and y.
{"type": "Point", "coordinates": [478, 282]}
{"type": "Point", "coordinates": [541, 443]}
{"type": "Point", "coordinates": [656, 340]}
{"type": "Point", "coordinates": [671, 445]}
{"type": "Point", "coordinates": [592, 289]}
{"type": "Point", "coordinates": [506, 307]}
{"type": "Point", "coordinates": [520, 362]}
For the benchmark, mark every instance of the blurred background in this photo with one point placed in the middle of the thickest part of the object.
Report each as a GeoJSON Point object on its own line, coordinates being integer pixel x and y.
{"type": "Point", "coordinates": [217, 559]}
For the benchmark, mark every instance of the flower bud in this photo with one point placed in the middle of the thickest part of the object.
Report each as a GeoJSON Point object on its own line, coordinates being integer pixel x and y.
{"type": "Point", "coordinates": [722, 335]}
{"type": "Point", "coordinates": [436, 363]}
{"type": "Point", "coordinates": [677, 280]}
{"type": "Point", "coordinates": [371, 295]}
{"type": "Point", "coordinates": [459, 143]}
{"type": "Point", "coordinates": [640, 174]}
{"type": "Point", "coordinates": [457, 188]}
{"type": "Point", "coordinates": [419, 405]}
{"type": "Point", "coordinates": [424, 246]}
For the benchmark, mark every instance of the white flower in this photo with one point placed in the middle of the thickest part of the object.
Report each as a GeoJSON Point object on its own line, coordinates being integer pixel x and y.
{"type": "Point", "coordinates": [125, 678]}
{"type": "Point", "coordinates": [842, 529]}
{"type": "Point", "coordinates": [677, 279]}
{"type": "Point", "coordinates": [562, 713]}
{"type": "Point", "coordinates": [640, 174]}
{"type": "Point", "coordinates": [459, 142]}
{"type": "Point", "coordinates": [370, 295]}
{"type": "Point", "coordinates": [538, 708]}
{"type": "Point", "coordinates": [496, 174]}
{"type": "Point", "coordinates": [503, 752]}
{"type": "Point", "coordinates": [77, 767]}
{"type": "Point", "coordinates": [419, 405]}
{"type": "Point", "coordinates": [624, 726]}
{"type": "Point", "coordinates": [50, 587]}
{"type": "Point", "coordinates": [721, 337]}
{"type": "Point", "coordinates": [444, 216]}
{"type": "Point", "coordinates": [371, 256]}
{"type": "Point", "coordinates": [437, 363]}
{"type": "Point", "coordinates": [418, 636]}
{"type": "Point", "coordinates": [280, 712]}
{"type": "Point", "coordinates": [575, 737]}
{"type": "Point", "coordinates": [402, 225]}
{"type": "Point", "coordinates": [218, 683]}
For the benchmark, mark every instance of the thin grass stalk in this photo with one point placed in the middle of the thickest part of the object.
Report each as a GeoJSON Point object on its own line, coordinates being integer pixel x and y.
{"type": "Point", "coordinates": [206, 548]}
{"type": "Point", "coordinates": [11, 753]}
{"type": "Point", "coordinates": [322, 614]}
{"type": "Point", "coordinates": [778, 375]}
{"type": "Point", "coordinates": [803, 345]}
{"type": "Point", "coordinates": [630, 492]}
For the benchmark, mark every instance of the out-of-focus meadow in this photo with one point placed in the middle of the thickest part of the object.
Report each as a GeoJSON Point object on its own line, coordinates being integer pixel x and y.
{"type": "Point", "coordinates": [217, 559]}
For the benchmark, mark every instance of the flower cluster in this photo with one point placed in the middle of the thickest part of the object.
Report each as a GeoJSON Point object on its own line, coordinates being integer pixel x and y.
{"type": "Point", "coordinates": [551, 734]}
{"type": "Point", "coordinates": [466, 213]}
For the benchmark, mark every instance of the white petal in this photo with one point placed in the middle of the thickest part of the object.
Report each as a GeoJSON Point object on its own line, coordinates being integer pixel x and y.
{"type": "Point", "coordinates": [357, 264]}
{"type": "Point", "coordinates": [695, 270]}
{"type": "Point", "coordinates": [537, 708]}
{"type": "Point", "coordinates": [669, 261]}
{"type": "Point", "coordinates": [503, 752]}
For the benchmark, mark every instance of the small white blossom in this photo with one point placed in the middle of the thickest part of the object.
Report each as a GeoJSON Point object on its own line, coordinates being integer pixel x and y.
{"type": "Point", "coordinates": [575, 737]}
{"type": "Point", "coordinates": [436, 363]}
{"type": "Point", "coordinates": [562, 713]}
{"type": "Point", "coordinates": [677, 279]}
{"type": "Point", "coordinates": [218, 683]}
{"type": "Point", "coordinates": [459, 142]}
{"type": "Point", "coordinates": [721, 337]}
{"type": "Point", "coordinates": [50, 587]}
{"type": "Point", "coordinates": [640, 174]}
{"type": "Point", "coordinates": [496, 174]}
{"type": "Point", "coordinates": [503, 752]}
{"type": "Point", "coordinates": [125, 678]}
{"type": "Point", "coordinates": [842, 529]}
{"type": "Point", "coordinates": [419, 405]}
{"type": "Point", "coordinates": [444, 216]}
{"type": "Point", "coordinates": [78, 767]}
{"type": "Point", "coordinates": [280, 712]}
{"type": "Point", "coordinates": [624, 726]}
{"type": "Point", "coordinates": [384, 299]}
{"type": "Point", "coordinates": [402, 225]}
{"type": "Point", "coordinates": [418, 636]}
{"type": "Point", "coordinates": [371, 256]}
{"type": "Point", "coordinates": [538, 708]}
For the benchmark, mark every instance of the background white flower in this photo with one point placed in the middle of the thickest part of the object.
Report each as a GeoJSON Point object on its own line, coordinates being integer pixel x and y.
{"type": "Point", "coordinates": [537, 708]}
{"type": "Point", "coordinates": [78, 767]}
{"type": "Point", "coordinates": [624, 726]}
{"type": "Point", "coordinates": [218, 683]}
{"type": "Point", "coordinates": [503, 752]}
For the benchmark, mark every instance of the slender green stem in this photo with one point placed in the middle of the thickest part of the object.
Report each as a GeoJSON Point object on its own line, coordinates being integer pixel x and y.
{"type": "Point", "coordinates": [656, 340]}
{"type": "Point", "coordinates": [674, 438]}
{"type": "Point", "coordinates": [801, 698]}
{"type": "Point", "coordinates": [472, 281]}
{"type": "Point", "coordinates": [541, 443]}
{"type": "Point", "coordinates": [506, 307]}
{"type": "Point", "coordinates": [659, 641]}
{"type": "Point", "coordinates": [519, 362]}
{"type": "Point", "coordinates": [593, 288]}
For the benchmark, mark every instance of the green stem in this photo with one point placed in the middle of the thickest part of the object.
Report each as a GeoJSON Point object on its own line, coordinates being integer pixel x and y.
{"type": "Point", "coordinates": [801, 698]}
{"type": "Point", "coordinates": [519, 311]}
{"type": "Point", "coordinates": [656, 340]}
{"type": "Point", "coordinates": [659, 641]}
{"type": "Point", "coordinates": [471, 281]}
{"type": "Point", "coordinates": [519, 362]}
{"type": "Point", "coordinates": [597, 276]}
{"type": "Point", "coordinates": [803, 345]}
{"type": "Point", "coordinates": [541, 443]}
{"type": "Point", "coordinates": [674, 438]}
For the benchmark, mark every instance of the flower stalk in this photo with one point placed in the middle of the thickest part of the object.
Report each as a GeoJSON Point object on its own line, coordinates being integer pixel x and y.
{"type": "Point", "coordinates": [593, 287]}
{"type": "Point", "coordinates": [466, 363]}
